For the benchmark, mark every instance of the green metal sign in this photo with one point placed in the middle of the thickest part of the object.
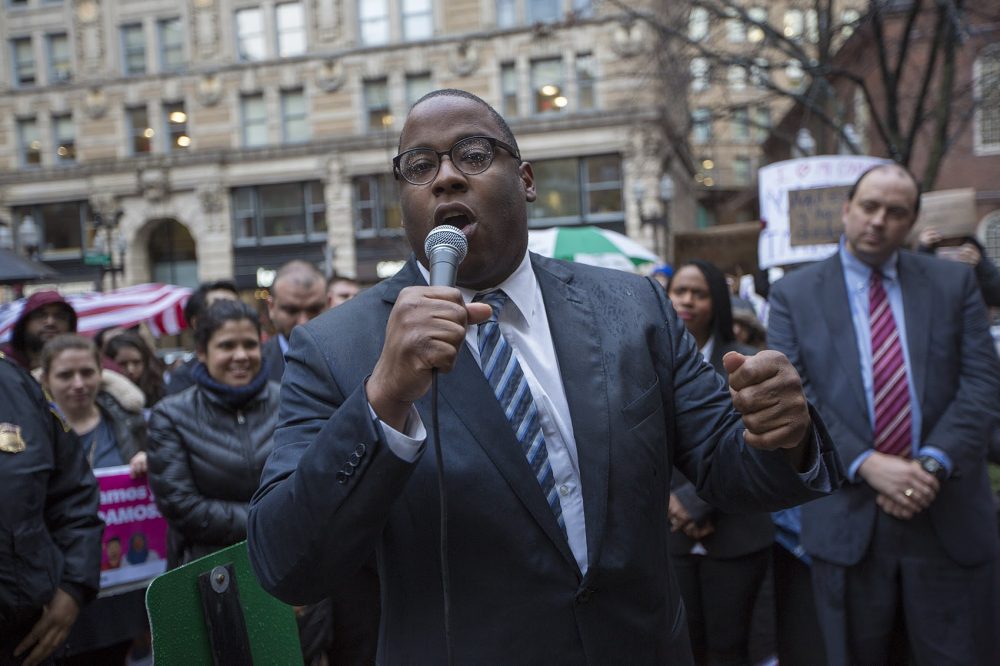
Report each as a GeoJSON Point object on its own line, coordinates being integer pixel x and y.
{"type": "Point", "coordinates": [91, 259]}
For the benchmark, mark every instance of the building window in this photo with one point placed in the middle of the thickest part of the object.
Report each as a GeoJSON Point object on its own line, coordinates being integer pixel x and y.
{"type": "Point", "coordinates": [700, 74]}
{"type": "Point", "coordinates": [506, 13]}
{"type": "Point", "coordinates": [376, 93]}
{"type": "Point", "coordinates": [755, 33]}
{"type": "Point", "coordinates": [374, 18]}
{"type": "Point", "coordinates": [701, 125]}
{"type": "Point", "coordinates": [31, 144]}
{"type": "Point", "coordinates": [585, 80]}
{"type": "Point", "coordinates": [698, 24]}
{"type": "Point", "coordinates": [376, 207]}
{"type": "Point", "coordinates": [736, 29]}
{"type": "Point", "coordinates": [794, 73]}
{"type": "Point", "coordinates": [761, 123]}
{"type": "Point", "coordinates": [417, 85]}
{"type": "Point", "coordinates": [249, 34]}
{"type": "Point", "coordinates": [140, 131]}
{"type": "Point", "coordinates": [508, 89]}
{"type": "Point", "coordinates": [577, 191]}
{"type": "Point", "coordinates": [290, 22]}
{"type": "Point", "coordinates": [793, 23]}
{"type": "Point", "coordinates": [254, 115]}
{"type": "Point", "coordinates": [548, 85]}
{"type": "Point", "coordinates": [987, 82]}
{"type": "Point", "coordinates": [418, 19]}
{"type": "Point", "coordinates": [736, 77]}
{"type": "Point", "coordinates": [287, 212]}
{"type": "Point", "coordinates": [741, 124]}
{"type": "Point", "coordinates": [60, 58]}
{"type": "Point", "coordinates": [133, 49]}
{"type": "Point", "coordinates": [742, 171]}
{"type": "Point", "coordinates": [171, 44]}
{"type": "Point", "coordinates": [24, 61]}
{"type": "Point", "coordinates": [539, 11]}
{"type": "Point", "coordinates": [64, 133]}
{"type": "Point", "coordinates": [849, 21]}
{"type": "Point", "coordinates": [760, 73]}
{"type": "Point", "coordinates": [60, 226]}
{"type": "Point", "coordinates": [294, 116]}
{"type": "Point", "coordinates": [177, 129]}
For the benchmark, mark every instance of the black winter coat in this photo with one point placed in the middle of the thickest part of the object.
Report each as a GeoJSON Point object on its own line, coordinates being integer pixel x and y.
{"type": "Point", "coordinates": [50, 533]}
{"type": "Point", "coordinates": [205, 461]}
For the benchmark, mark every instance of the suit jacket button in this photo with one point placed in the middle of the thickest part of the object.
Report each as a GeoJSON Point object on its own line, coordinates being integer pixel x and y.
{"type": "Point", "coordinates": [583, 596]}
{"type": "Point", "coordinates": [341, 477]}
{"type": "Point", "coordinates": [360, 449]}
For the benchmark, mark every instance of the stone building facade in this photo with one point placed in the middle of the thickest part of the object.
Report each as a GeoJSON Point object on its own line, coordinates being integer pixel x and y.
{"type": "Point", "coordinates": [200, 139]}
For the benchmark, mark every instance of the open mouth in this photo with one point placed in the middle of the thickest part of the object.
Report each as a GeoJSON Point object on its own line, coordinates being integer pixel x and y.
{"type": "Point", "coordinates": [455, 214]}
{"type": "Point", "coordinates": [458, 221]}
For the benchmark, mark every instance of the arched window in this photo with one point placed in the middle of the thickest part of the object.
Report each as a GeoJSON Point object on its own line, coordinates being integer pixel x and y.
{"type": "Point", "coordinates": [987, 75]}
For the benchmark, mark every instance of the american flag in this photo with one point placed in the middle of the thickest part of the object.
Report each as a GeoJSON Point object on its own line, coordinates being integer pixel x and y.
{"type": "Point", "coordinates": [159, 306]}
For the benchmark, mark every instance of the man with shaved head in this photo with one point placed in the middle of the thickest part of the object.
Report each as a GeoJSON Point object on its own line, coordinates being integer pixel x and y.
{"type": "Point", "coordinates": [895, 352]}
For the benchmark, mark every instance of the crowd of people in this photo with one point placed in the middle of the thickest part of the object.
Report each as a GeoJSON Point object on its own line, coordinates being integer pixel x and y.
{"type": "Point", "coordinates": [616, 461]}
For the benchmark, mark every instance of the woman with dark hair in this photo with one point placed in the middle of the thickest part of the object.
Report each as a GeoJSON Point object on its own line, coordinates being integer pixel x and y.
{"type": "Point", "coordinates": [209, 442]}
{"type": "Point", "coordinates": [139, 364]}
{"type": "Point", "coordinates": [721, 559]}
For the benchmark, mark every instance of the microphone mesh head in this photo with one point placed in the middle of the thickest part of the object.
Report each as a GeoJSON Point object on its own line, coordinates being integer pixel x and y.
{"type": "Point", "coordinates": [449, 236]}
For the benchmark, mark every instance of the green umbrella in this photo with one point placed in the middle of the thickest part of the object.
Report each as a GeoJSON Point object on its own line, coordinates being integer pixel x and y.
{"type": "Point", "coordinates": [590, 245]}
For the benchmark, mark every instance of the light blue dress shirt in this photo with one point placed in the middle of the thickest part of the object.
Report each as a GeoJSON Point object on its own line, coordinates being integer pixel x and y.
{"type": "Point", "coordinates": [857, 276]}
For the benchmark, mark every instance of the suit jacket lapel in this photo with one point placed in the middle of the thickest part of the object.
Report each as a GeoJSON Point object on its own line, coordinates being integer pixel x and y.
{"type": "Point", "coordinates": [918, 313]}
{"type": "Point", "coordinates": [840, 324]}
{"type": "Point", "coordinates": [470, 398]}
{"type": "Point", "coordinates": [576, 337]}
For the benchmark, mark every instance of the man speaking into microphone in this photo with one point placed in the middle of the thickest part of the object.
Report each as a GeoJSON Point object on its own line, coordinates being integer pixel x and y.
{"type": "Point", "coordinates": [566, 394]}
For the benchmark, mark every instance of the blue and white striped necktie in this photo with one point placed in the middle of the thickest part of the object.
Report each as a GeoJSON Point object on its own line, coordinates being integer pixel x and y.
{"type": "Point", "coordinates": [510, 386]}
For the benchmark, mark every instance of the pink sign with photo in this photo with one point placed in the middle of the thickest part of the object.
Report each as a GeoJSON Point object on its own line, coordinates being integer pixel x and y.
{"type": "Point", "coordinates": [134, 546]}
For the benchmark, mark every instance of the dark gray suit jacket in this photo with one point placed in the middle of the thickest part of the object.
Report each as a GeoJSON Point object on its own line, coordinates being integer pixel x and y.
{"type": "Point", "coordinates": [641, 400]}
{"type": "Point", "coordinates": [957, 377]}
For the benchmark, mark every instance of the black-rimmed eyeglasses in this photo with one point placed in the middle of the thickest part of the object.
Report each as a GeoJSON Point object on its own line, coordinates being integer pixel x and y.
{"type": "Point", "coordinates": [472, 155]}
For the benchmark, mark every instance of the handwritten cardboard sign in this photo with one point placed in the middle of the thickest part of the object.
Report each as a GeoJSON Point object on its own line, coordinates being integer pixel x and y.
{"type": "Point", "coordinates": [951, 212]}
{"type": "Point", "coordinates": [814, 214]}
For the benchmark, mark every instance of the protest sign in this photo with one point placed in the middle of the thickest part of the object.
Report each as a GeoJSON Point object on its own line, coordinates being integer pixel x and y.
{"type": "Point", "coordinates": [816, 182]}
{"type": "Point", "coordinates": [951, 212]}
{"type": "Point", "coordinates": [135, 534]}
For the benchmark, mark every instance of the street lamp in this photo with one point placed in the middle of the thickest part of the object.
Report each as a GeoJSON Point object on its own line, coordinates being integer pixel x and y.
{"type": "Point", "coordinates": [28, 236]}
{"type": "Point", "coordinates": [105, 246]}
{"type": "Point", "coordinates": [660, 217]}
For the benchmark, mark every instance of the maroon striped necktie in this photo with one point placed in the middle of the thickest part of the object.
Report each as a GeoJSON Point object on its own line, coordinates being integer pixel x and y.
{"type": "Point", "coordinates": [889, 383]}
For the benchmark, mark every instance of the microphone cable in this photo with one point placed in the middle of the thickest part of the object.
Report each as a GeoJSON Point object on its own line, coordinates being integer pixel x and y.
{"type": "Point", "coordinates": [445, 574]}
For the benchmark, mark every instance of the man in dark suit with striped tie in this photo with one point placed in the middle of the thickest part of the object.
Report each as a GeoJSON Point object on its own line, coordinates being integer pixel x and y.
{"type": "Point", "coordinates": [565, 399]}
{"type": "Point", "coordinates": [895, 353]}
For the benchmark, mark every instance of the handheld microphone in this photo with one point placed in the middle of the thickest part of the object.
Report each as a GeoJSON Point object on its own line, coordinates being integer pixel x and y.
{"type": "Point", "coordinates": [445, 248]}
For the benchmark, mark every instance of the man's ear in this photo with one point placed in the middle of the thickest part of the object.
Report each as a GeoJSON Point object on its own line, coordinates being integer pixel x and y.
{"type": "Point", "coordinates": [528, 178]}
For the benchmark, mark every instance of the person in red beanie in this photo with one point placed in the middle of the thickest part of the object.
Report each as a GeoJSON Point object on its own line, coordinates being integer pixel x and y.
{"type": "Point", "coordinates": [46, 315]}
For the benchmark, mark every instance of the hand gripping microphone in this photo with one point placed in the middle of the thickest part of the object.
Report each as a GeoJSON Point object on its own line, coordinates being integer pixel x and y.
{"type": "Point", "coordinates": [445, 248]}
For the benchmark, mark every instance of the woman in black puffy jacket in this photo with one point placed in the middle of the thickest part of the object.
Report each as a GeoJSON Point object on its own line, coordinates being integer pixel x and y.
{"type": "Point", "coordinates": [208, 443]}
